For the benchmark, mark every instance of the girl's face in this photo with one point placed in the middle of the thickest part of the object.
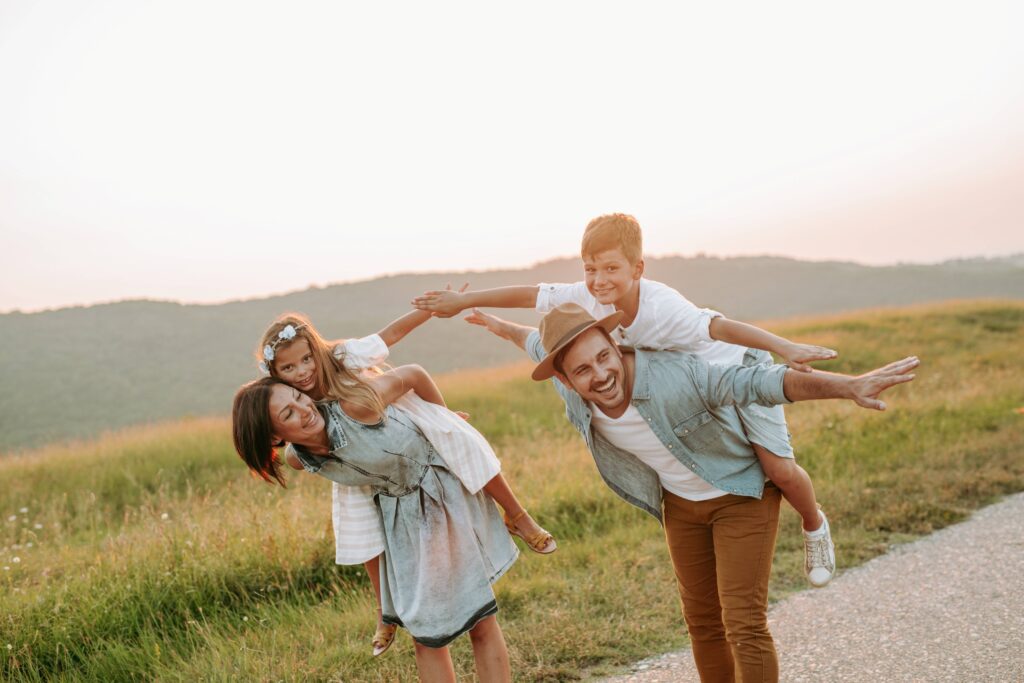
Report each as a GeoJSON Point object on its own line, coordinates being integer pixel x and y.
{"type": "Point", "coordinates": [294, 417]}
{"type": "Point", "coordinates": [295, 365]}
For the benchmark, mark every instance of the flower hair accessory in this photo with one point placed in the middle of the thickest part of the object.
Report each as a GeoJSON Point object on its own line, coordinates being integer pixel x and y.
{"type": "Point", "coordinates": [286, 334]}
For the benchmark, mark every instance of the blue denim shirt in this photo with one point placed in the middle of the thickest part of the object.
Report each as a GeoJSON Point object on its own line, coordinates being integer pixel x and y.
{"type": "Point", "coordinates": [689, 407]}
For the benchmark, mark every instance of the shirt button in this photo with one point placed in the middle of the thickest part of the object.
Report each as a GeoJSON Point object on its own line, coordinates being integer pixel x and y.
{"type": "Point", "coordinates": [686, 431]}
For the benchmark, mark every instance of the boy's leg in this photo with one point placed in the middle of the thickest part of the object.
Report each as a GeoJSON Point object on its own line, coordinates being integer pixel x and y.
{"type": "Point", "coordinates": [794, 483]}
{"type": "Point", "coordinates": [688, 534]}
{"type": "Point", "coordinates": [498, 489]}
{"type": "Point", "coordinates": [490, 652]}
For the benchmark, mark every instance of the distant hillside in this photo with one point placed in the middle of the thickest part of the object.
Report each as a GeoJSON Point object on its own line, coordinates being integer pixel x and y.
{"type": "Point", "coordinates": [78, 371]}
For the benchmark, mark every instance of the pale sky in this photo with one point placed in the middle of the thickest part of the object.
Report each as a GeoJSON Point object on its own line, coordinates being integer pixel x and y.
{"type": "Point", "coordinates": [204, 151]}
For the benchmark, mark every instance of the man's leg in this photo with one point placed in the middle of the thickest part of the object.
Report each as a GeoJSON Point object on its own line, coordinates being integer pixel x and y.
{"type": "Point", "coordinates": [744, 539]}
{"type": "Point", "coordinates": [688, 533]}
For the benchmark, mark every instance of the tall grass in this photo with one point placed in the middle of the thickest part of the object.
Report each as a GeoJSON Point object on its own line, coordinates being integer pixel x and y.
{"type": "Point", "coordinates": [151, 555]}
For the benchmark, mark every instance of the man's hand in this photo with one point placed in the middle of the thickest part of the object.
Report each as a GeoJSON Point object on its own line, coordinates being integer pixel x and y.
{"type": "Point", "coordinates": [463, 414]}
{"type": "Point", "coordinates": [797, 356]}
{"type": "Point", "coordinates": [442, 303]}
{"type": "Point", "coordinates": [868, 386]}
{"type": "Point", "coordinates": [489, 322]}
{"type": "Point", "coordinates": [516, 334]}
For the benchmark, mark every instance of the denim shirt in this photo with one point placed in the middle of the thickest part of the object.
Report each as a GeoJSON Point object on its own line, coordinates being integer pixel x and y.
{"type": "Point", "coordinates": [689, 407]}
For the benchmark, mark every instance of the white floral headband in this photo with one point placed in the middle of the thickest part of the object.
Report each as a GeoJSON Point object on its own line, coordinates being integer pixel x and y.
{"type": "Point", "coordinates": [286, 334]}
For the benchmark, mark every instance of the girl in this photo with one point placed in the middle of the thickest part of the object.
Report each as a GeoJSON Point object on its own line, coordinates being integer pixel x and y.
{"type": "Point", "coordinates": [292, 350]}
{"type": "Point", "coordinates": [443, 545]}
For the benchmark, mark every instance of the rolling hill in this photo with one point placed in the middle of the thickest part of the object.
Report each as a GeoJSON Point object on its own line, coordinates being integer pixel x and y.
{"type": "Point", "coordinates": [76, 372]}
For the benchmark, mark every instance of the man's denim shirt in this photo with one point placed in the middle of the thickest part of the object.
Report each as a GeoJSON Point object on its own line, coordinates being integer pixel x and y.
{"type": "Point", "coordinates": [689, 406]}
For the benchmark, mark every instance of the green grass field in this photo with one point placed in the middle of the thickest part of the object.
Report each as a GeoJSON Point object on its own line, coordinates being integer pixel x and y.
{"type": "Point", "coordinates": [151, 554]}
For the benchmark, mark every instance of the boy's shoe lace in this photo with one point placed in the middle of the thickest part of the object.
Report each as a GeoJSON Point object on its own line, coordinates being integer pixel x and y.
{"type": "Point", "coordinates": [820, 555]}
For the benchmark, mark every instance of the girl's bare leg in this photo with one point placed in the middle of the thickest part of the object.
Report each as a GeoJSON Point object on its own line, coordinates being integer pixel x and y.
{"type": "Point", "coordinates": [794, 483]}
{"type": "Point", "coordinates": [490, 652]}
{"type": "Point", "coordinates": [434, 664]}
{"type": "Point", "coordinates": [498, 489]}
{"type": "Point", "coordinates": [373, 570]}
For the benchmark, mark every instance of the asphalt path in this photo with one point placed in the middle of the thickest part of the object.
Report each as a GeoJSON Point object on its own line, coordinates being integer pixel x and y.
{"type": "Point", "coordinates": [948, 607]}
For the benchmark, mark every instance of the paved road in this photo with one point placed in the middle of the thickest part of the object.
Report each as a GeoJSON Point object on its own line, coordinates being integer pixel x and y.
{"type": "Point", "coordinates": [949, 607]}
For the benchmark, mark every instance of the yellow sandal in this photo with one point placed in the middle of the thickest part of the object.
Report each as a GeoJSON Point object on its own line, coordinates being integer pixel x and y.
{"type": "Point", "coordinates": [382, 639]}
{"type": "Point", "coordinates": [542, 542]}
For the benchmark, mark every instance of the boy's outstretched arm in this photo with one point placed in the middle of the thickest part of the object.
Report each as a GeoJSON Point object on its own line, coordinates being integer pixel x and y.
{"type": "Point", "coordinates": [513, 332]}
{"type": "Point", "coordinates": [446, 303]}
{"type": "Point", "coordinates": [399, 327]}
{"type": "Point", "coordinates": [795, 355]}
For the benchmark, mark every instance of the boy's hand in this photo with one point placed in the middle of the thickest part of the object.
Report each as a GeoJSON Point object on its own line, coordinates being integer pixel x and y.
{"type": "Point", "coordinates": [464, 415]}
{"type": "Point", "coordinates": [866, 388]}
{"type": "Point", "coordinates": [797, 356]}
{"type": "Point", "coordinates": [442, 303]}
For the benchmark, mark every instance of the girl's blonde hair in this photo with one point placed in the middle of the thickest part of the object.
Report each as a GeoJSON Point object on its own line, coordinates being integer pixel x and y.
{"type": "Point", "coordinates": [334, 380]}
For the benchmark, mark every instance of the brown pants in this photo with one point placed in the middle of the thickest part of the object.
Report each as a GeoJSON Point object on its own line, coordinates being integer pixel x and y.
{"type": "Point", "coordinates": [722, 553]}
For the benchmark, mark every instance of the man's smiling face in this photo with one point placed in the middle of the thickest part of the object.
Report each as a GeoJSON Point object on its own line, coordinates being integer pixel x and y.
{"type": "Point", "coordinates": [593, 367]}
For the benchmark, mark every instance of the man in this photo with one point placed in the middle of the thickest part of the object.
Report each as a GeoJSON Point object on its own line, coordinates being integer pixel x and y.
{"type": "Point", "coordinates": [660, 427]}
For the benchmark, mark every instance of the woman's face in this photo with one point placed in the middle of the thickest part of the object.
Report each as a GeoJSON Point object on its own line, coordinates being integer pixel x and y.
{"type": "Point", "coordinates": [295, 418]}
{"type": "Point", "coordinates": [295, 364]}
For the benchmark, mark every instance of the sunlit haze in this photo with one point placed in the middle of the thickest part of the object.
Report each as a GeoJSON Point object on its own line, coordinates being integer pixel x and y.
{"type": "Point", "coordinates": [204, 151]}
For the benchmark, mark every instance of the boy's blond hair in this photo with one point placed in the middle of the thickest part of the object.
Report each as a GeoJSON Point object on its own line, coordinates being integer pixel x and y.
{"type": "Point", "coordinates": [613, 231]}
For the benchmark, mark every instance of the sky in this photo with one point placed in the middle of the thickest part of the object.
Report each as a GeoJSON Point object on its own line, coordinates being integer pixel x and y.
{"type": "Point", "coordinates": [215, 150]}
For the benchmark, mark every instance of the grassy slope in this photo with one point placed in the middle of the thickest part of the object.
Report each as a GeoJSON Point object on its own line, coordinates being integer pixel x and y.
{"type": "Point", "coordinates": [150, 554]}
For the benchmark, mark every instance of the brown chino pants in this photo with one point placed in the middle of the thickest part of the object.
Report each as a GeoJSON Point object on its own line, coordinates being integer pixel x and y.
{"type": "Point", "coordinates": [722, 553]}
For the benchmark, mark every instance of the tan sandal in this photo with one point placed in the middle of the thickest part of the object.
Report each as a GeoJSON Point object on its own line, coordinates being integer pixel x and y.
{"type": "Point", "coordinates": [539, 542]}
{"type": "Point", "coordinates": [383, 637]}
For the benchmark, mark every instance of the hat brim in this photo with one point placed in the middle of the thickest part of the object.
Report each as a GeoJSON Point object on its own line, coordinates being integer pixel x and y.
{"type": "Point", "coordinates": [546, 368]}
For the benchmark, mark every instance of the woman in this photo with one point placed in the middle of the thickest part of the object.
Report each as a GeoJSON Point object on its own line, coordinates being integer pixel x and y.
{"type": "Point", "coordinates": [444, 546]}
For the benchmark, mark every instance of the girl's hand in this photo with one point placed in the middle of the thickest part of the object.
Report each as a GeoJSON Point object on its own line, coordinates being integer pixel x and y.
{"type": "Point", "coordinates": [797, 356]}
{"type": "Point", "coordinates": [464, 415]}
{"type": "Point", "coordinates": [442, 303]}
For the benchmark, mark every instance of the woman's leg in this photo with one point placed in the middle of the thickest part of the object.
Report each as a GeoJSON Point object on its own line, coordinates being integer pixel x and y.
{"type": "Point", "coordinates": [434, 664]}
{"type": "Point", "coordinates": [490, 652]}
{"type": "Point", "coordinates": [498, 489]}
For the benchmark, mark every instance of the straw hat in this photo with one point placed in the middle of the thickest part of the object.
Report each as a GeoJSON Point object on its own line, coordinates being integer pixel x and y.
{"type": "Point", "coordinates": [560, 327]}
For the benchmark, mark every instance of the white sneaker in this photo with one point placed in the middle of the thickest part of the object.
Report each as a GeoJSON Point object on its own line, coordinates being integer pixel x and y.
{"type": "Point", "coordinates": [819, 554]}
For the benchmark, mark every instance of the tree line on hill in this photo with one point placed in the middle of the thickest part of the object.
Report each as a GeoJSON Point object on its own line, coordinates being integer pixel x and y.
{"type": "Point", "coordinates": [79, 371]}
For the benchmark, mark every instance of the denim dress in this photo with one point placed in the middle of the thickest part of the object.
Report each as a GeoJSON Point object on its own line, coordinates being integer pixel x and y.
{"type": "Point", "coordinates": [443, 547]}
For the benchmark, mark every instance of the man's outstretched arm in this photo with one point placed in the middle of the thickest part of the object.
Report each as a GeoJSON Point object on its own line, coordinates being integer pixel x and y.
{"type": "Point", "coordinates": [862, 389]}
{"type": "Point", "coordinates": [517, 334]}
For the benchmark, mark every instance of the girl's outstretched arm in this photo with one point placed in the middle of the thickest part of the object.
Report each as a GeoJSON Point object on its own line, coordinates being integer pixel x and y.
{"type": "Point", "coordinates": [398, 328]}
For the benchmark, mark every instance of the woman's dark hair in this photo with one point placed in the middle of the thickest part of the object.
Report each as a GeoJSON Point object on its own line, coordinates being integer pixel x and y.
{"type": "Point", "coordinates": [252, 431]}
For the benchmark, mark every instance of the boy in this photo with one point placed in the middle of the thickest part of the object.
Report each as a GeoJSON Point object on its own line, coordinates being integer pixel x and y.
{"type": "Point", "coordinates": [656, 316]}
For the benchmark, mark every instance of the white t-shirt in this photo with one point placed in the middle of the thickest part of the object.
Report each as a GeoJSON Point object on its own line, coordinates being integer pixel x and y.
{"type": "Point", "coordinates": [665, 320]}
{"type": "Point", "coordinates": [632, 433]}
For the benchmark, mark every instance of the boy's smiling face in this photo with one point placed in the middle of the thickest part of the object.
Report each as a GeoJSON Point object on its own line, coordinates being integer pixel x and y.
{"type": "Point", "coordinates": [610, 277]}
